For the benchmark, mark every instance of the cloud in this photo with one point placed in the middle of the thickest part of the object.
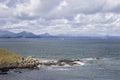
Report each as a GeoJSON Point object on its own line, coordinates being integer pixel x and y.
{"type": "Point", "coordinates": [62, 5]}
{"type": "Point", "coordinates": [74, 17]}
{"type": "Point", "coordinates": [27, 9]}
{"type": "Point", "coordinates": [112, 6]}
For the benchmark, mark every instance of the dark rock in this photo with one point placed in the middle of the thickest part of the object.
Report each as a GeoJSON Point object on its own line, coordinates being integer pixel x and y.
{"type": "Point", "coordinates": [4, 71]}
{"type": "Point", "coordinates": [17, 71]}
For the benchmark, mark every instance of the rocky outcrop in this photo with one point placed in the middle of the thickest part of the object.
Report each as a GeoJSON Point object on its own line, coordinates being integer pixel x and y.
{"type": "Point", "coordinates": [32, 63]}
{"type": "Point", "coordinates": [29, 62]}
{"type": "Point", "coordinates": [10, 60]}
{"type": "Point", "coordinates": [60, 62]}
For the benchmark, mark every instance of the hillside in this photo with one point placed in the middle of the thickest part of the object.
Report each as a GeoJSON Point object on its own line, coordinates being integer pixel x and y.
{"type": "Point", "coordinates": [8, 57]}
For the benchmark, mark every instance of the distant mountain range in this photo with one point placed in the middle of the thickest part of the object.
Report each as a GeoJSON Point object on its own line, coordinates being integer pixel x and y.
{"type": "Point", "coordinates": [25, 34]}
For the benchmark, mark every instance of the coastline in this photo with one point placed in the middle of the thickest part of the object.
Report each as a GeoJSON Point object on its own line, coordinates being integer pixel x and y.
{"type": "Point", "coordinates": [34, 63]}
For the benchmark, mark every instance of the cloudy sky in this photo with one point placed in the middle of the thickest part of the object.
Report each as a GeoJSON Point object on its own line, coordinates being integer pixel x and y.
{"type": "Point", "coordinates": [72, 17]}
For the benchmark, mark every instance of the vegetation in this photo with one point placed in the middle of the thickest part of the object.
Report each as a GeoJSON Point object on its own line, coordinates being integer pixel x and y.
{"type": "Point", "coordinates": [7, 57]}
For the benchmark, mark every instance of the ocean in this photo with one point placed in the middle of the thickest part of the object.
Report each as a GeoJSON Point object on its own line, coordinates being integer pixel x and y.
{"type": "Point", "coordinates": [107, 68]}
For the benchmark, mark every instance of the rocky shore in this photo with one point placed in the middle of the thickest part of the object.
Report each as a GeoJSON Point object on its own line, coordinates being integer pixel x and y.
{"type": "Point", "coordinates": [12, 61]}
{"type": "Point", "coordinates": [9, 60]}
{"type": "Point", "coordinates": [33, 63]}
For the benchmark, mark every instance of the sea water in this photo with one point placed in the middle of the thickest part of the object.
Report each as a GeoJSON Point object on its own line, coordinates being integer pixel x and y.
{"type": "Point", "coordinates": [107, 68]}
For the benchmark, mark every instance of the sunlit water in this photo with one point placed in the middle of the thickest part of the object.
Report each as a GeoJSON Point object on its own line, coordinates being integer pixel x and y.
{"type": "Point", "coordinates": [107, 68]}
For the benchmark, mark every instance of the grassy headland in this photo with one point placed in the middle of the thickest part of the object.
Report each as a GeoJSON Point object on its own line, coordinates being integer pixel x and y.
{"type": "Point", "coordinates": [8, 57]}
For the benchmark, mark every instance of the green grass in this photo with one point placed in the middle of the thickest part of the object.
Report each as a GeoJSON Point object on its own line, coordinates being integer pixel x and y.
{"type": "Point", "coordinates": [7, 56]}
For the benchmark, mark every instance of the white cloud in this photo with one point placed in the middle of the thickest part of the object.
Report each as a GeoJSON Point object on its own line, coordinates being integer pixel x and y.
{"type": "Point", "coordinates": [59, 21]}
{"type": "Point", "coordinates": [111, 5]}
{"type": "Point", "coordinates": [5, 12]}
{"type": "Point", "coordinates": [3, 6]}
{"type": "Point", "coordinates": [78, 17]}
{"type": "Point", "coordinates": [98, 18]}
{"type": "Point", "coordinates": [62, 5]}
{"type": "Point", "coordinates": [27, 8]}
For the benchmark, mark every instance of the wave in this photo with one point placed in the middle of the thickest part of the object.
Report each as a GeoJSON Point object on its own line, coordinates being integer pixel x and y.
{"type": "Point", "coordinates": [58, 68]}
{"type": "Point", "coordinates": [67, 62]}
